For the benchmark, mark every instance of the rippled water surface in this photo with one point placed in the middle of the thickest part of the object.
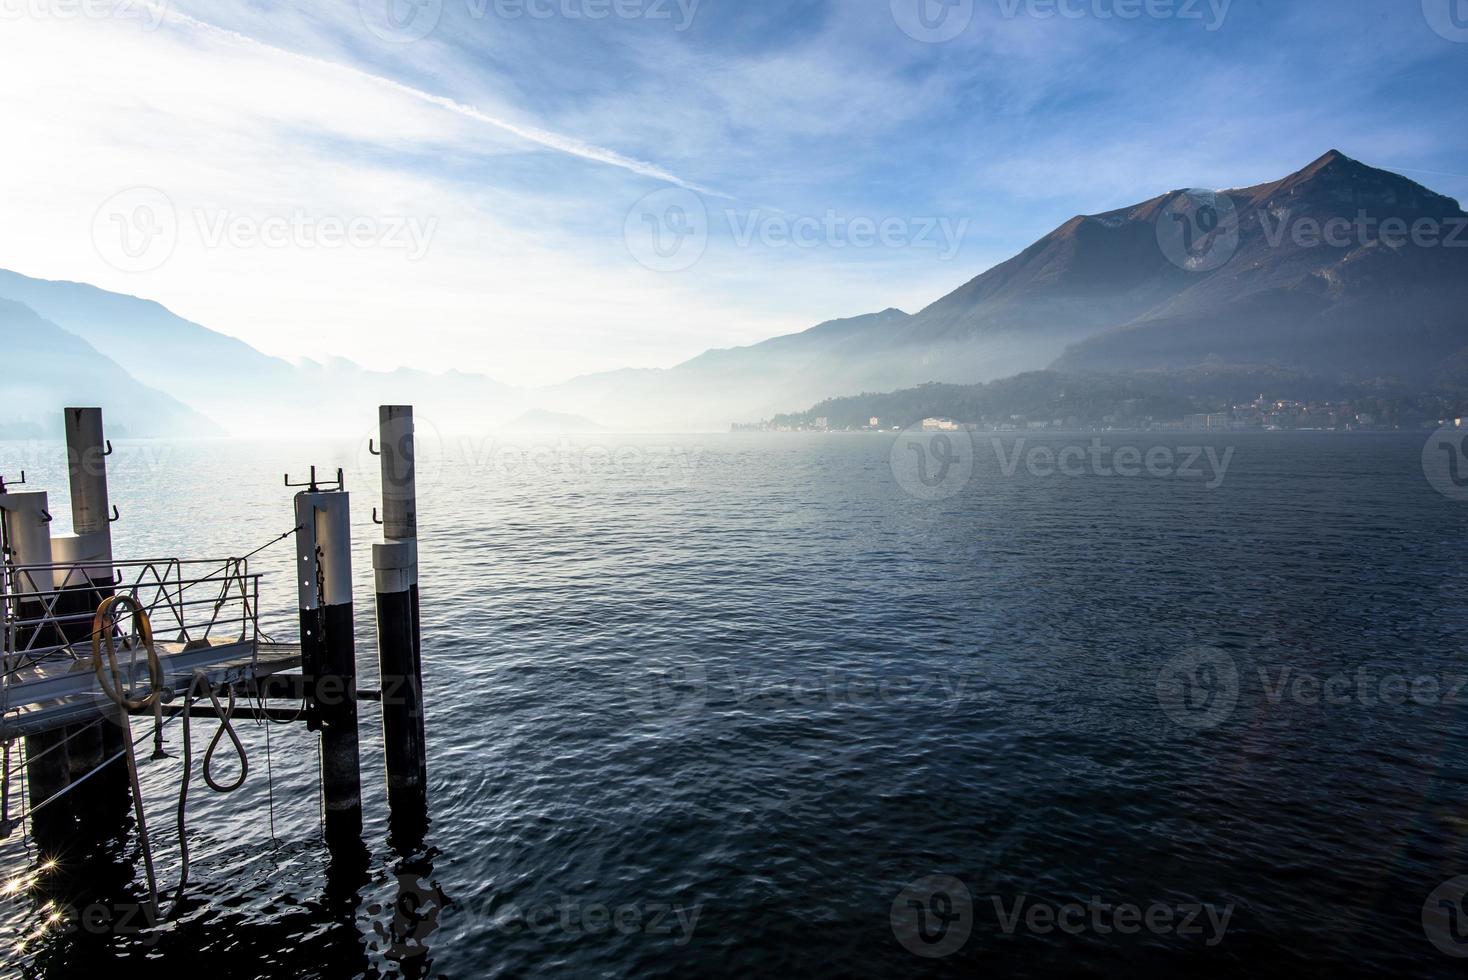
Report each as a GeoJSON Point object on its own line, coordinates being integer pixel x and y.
{"type": "Point", "coordinates": [707, 705]}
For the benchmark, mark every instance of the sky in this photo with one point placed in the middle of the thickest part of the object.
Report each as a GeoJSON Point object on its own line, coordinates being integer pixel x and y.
{"type": "Point", "coordinates": [537, 189]}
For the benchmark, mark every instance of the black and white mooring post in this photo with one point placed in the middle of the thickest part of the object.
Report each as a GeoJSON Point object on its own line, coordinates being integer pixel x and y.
{"type": "Point", "coordinates": [399, 643]}
{"type": "Point", "coordinates": [89, 580]}
{"type": "Point", "coordinates": [25, 526]}
{"type": "Point", "coordinates": [329, 652]}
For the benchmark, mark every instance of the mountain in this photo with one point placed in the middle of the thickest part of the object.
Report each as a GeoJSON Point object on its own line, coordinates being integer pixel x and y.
{"type": "Point", "coordinates": [60, 369]}
{"type": "Point", "coordinates": [1120, 291]}
{"type": "Point", "coordinates": [1369, 303]}
{"type": "Point", "coordinates": [1182, 280]}
{"type": "Point", "coordinates": [239, 387]}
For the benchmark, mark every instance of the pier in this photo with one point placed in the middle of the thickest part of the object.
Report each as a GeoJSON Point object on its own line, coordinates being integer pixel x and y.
{"type": "Point", "coordinates": [102, 652]}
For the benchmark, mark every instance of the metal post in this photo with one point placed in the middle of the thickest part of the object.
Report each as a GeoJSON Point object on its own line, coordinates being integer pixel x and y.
{"type": "Point", "coordinates": [89, 552]}
{"type": "Point", "coordinates": [27, 533]}
{"type": "Point", "coordinates": [395, 567]}
{"type": "Point", "coordinates": [329, 655]}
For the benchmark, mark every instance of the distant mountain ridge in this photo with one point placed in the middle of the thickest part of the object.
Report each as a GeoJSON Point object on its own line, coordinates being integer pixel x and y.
{"type": "Point", "coordinates": [54, 369]}
{"type": "Point", "coordinates": [1100, 293]}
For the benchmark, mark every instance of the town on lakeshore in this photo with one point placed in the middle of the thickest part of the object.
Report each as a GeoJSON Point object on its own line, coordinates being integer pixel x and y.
{"type": "Point", "coordinates": [1263, 414]}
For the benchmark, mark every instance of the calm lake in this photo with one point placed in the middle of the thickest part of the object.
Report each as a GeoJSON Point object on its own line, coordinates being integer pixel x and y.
{"type": "Point", "coordinates": [762, 705]}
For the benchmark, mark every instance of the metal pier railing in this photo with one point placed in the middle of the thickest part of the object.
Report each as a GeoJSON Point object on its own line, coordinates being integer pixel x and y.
{"type": "Point", "coordinates": [205, 614]}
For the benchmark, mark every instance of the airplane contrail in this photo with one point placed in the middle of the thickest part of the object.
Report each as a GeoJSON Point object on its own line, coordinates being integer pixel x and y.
{"type": "Point", "coordinates": [540, 137]}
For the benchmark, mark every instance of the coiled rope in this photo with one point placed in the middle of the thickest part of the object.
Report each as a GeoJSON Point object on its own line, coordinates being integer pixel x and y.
{"type": "Point", "coordinates": [102, 633]}
{"type": "Point", "coordinates": [226, 715]}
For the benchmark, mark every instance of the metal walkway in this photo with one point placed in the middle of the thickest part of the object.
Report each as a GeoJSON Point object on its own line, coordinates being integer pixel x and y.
{"type": "Point", "coordinates": [204, 613]}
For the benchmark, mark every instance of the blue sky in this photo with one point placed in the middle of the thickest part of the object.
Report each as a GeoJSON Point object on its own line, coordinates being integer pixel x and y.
{"type": "Point", "coordinates": [506, 171]}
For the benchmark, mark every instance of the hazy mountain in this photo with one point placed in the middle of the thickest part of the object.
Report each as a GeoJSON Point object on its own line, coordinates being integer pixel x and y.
{"type": "Point", "coordinates": [1118, 291]}
{"type": "Point", "coordinates": [241, 388]}
{"type": "Point", "coordinates": [1111, 292]}
{"type": "Point", "coordinates": [48, 368]}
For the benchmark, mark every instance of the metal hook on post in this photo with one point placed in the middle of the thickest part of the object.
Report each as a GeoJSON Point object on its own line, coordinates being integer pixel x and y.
{"type": "Point", "coordinates": [46, 517]}
{"type": "Point", "coordinates": [116, 516]}
{"type": "Point", "coordinates": [109, 448]}
{"type": "Point", "coordinates": [375, 519]}
{"type": "Point", "coordinates": [372, 447]}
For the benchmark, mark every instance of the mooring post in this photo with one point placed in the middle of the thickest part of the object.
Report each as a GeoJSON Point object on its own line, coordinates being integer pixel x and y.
{"type": "Point", "coordinates": [27, 533]}
{"type": "Point", "coordinates": [395, 568]}
{"type": "Point", "coordinates": [88, 553]}
{"type": "Point", "coordinates": [329, 655]}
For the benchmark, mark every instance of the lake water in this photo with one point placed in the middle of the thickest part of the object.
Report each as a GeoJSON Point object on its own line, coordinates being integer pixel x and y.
{"type": "Point", "coordinates": [743, 705]}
